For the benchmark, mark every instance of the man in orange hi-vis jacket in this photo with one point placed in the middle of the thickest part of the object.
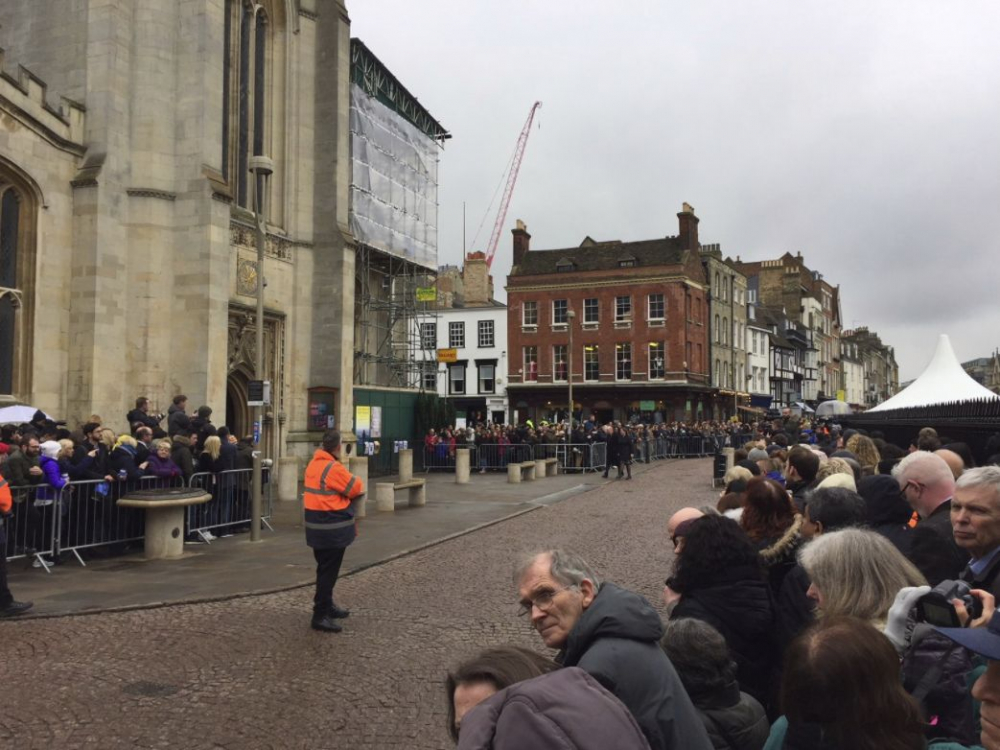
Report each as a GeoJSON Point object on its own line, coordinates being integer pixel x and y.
{"type": "Point", "coordinates": [329, 522]}
{"type": "Point", "coordinates": [8, 607]}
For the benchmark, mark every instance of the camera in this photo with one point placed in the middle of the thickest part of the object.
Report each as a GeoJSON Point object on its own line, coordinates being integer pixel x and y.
{"type": "Point", "coordinates": [936, 608]}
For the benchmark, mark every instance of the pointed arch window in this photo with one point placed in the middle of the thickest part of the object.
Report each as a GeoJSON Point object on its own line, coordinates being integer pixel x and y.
{"type": "Point", "coordinates": [15, 273]}
{"type": "Point", "coordinates": [246, 77]}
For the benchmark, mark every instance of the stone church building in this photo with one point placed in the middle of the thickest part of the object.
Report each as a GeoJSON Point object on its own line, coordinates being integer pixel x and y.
{"type": "Point", "coordinates": [127, 241]}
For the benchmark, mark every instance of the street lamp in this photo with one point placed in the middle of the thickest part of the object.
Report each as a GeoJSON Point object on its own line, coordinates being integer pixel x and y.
{"type": "Point", "coordinates": [261, 168]}
{"type": "Point", "coordinates": [570, 314]}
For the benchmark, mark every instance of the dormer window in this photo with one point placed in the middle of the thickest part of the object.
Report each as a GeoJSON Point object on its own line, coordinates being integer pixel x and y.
{"type": "Point", "coordinates": [565, 266]}
{"type": "Point", "coordinates": [628, 261]}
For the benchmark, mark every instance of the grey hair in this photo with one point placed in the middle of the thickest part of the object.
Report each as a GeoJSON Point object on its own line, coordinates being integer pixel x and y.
{"type": "Point", "coordinates": [932, 470]}
{"type": "Point", "coordinates": [858, 572]}
{"type": "Point", "coordinates": [568, 568]}
{"type": "Point", "coordinates": [984, 476]}
{"type": "Point", "coordinates": [699, 654]}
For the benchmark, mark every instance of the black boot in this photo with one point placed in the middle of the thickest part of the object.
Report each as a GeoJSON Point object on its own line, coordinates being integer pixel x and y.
{"type": "Point", "coordinates": [15, 608]}
{"type": "Point", "coordinates": [339, 614]}
{"type": "Point", "coordinates": [327, 624]}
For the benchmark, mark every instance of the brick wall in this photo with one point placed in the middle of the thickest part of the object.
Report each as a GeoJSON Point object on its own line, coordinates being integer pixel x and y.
{"type": "Point", "coordinates": [675, 333]}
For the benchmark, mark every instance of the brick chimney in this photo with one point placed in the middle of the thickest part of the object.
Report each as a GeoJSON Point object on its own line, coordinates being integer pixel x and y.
{"type": "Point", "coordinates": [688, 234]}
{"type": "Point", "coordinates": [522, 241]}
{"type": "Point", "coordinates": [477, 280]}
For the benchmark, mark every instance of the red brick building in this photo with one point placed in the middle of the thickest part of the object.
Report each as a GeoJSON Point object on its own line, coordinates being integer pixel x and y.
{"type": "Point", "coordinates": [639, 328]}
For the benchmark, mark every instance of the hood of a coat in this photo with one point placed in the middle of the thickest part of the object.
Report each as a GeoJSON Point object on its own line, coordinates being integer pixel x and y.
{"type": "Point", "coordinates": [882, 500]}
{"type": "Point", "coordinates": [785, 546]}
{"type": "Point", "coordinates": [181, 440]}
{"type": "Point", "coordinates": [565, 708]}
{"type": "Point", "coordinates": [614, 613]}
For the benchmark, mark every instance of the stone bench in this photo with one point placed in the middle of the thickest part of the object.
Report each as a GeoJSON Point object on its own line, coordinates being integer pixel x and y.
{"type": "Point", "coordinates": [517, 472]}
{"type": "Point", "coordinates": [385, 494]}
{"type": "Point", "coordinates": [546, 467]}
{"type": "Point", "coordinates": [165, 509]}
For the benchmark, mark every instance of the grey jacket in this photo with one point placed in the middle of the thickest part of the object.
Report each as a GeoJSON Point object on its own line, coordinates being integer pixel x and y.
{"type": "Point", "coordinates": [617, 641]}
{"type": "Point", "coordinates": [565, 709]}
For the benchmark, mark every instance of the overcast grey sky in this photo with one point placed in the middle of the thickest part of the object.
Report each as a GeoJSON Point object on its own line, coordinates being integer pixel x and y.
{"type": "Point", "coordinates": [862, 134]}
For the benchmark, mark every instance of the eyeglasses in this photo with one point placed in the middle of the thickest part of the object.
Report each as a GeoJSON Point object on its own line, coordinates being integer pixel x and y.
{"type": "Point", "coordinates": [542, 600]}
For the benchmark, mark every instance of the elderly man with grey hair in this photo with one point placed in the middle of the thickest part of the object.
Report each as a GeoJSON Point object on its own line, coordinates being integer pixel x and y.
{"type": "Point", "coordinates": [975, 521]}
{"type": "Point", "coordinates": [612, 634]}
{"type": "Point", "coordinates": [927, 484]}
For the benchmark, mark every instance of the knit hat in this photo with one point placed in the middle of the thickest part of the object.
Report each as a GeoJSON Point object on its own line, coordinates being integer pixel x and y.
{"type": "Point", "coordinates": [758, 454]}
{"type": "Point", "coordinates": [50, 448]}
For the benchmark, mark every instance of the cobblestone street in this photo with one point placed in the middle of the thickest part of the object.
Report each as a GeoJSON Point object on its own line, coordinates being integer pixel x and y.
{"type": "Point", "coordinates": [249, 673]}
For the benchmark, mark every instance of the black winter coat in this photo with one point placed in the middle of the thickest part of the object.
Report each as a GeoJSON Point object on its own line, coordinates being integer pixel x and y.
{"type": "Point", "coordinates": [734, 720]}
{"type": "Point", "coordinates": [887, 512]}
{"type": "Point", "coordinates": [740, 606]}
{"type": "Point", "coordinates": [795, 611]}
{"type": "Point", "coordinates": [933, 549]}
{"type": "Point", "coordinates": [616, 641]}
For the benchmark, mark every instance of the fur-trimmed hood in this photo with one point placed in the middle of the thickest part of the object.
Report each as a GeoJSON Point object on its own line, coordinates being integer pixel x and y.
{"type": "Point", "coordinates": [786, 546]}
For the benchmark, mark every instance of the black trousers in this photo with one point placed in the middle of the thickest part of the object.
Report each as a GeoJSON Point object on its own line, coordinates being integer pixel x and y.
{"type": "Point", "coordinates": [328, 563]}
{"type": "Point", "coordinates": [5, 596]}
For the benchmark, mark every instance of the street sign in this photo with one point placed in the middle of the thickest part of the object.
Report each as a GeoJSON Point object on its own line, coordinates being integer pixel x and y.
{"type": "Point", "coordinates": [259, 393]}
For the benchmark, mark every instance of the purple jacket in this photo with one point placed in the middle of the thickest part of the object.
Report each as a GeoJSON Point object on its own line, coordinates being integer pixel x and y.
{"type": "Point", "coordinates": [566, 709]}
{"type": "Point", "coordinates": [54, 480]}
{"type": "Point", "coordinates": [164, 468]}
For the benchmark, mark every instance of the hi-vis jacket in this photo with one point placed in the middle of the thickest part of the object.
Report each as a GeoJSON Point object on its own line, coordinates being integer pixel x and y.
{"type": "Point", "coordinates": [329, 489]}
{"type": "Point", "coordinates": [6, 501]}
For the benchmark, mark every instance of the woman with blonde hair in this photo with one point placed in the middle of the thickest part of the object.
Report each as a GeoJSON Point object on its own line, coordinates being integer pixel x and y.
{"type": "Point", "coordinates": [866, 452]}
{"type": "Point", "coordinates": [856, 572]}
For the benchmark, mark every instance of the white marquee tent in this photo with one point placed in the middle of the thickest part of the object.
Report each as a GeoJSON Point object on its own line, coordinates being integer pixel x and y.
{"type": "Point", "coordinates": [942, 381]}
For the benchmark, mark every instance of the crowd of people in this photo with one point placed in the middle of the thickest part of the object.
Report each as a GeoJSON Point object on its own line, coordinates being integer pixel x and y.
{"type": "Point", "coordinates": [840, 594]}
{"type": "Point", "coordinates": [39, 458]}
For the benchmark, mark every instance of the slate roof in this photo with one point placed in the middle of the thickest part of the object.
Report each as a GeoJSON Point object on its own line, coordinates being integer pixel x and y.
{"type": "Point", "coordinates": [603, 256]}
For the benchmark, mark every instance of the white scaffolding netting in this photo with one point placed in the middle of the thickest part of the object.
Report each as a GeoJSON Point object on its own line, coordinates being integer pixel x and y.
{"type": "Point", "coordinates": [394, 182]}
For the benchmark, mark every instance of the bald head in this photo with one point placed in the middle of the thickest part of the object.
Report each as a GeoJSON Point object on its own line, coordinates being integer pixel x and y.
{"type": "Point", "coordinates": [684, 514]}
{"type": "Point", "coordinates": [954, 461]}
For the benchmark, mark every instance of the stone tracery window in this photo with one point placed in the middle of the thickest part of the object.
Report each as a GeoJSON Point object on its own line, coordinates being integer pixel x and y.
{"type": "Point", "coordinates": [246, 81]}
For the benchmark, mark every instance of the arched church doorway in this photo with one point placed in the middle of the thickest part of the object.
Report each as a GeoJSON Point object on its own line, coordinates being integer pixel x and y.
{"type": "Point", "coordinates": [237, 411]}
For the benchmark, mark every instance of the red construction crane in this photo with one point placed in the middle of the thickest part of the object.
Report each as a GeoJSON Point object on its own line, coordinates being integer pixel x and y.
{"type": "Point", "coordinates": [515, 167]}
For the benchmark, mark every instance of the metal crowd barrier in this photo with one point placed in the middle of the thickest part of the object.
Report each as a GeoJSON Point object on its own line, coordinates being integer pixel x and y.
{"type": "Point", "coordinates": [91, 517]}
{"type": "Point", "coordinates": [440, 457]}
{"type": "Point", "coordinates": [85, 514]}
{"type": "Point", "coordinates": [494, 457]}
{"type": "Point", "coordinates": [573, 457]}
{"type": "Point", "coordinates": [230, 506]}
{"type": "Point", "coordinates": [30, 529]}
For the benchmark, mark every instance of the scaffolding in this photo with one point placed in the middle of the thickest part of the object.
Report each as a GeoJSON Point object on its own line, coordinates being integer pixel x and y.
{"type": "Point", "coordinates": [392, 345]}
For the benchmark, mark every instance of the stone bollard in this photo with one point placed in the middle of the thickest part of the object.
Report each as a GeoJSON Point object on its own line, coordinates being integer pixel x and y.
{"type": "Point", "coordinates": [462, 466]}
{"type": "Point", "coordinates": [358, 466]}
{"type": "Point", "coordinates": [405, 464]}
{"type": "Point", "coordinates": [288, 479]}
{"type": "Point", "coordinates": [513, 473]}
{"type": "Point", "coordinates": [539, 468]}
{"type": "Point", "coordinates": [385, 497]}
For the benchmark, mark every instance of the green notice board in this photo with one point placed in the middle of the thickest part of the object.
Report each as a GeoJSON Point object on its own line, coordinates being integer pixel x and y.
{"type": "Point", "coordinates": [647, 406]}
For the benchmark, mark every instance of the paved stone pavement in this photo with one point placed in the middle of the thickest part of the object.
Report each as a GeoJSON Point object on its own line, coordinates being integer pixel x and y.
{"type": "Point", "coordinates": [249, 673]}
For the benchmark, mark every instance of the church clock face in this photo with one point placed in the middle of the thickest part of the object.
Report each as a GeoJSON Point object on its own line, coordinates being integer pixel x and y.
{"type": "Point", "coordinates": [246, 278]}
